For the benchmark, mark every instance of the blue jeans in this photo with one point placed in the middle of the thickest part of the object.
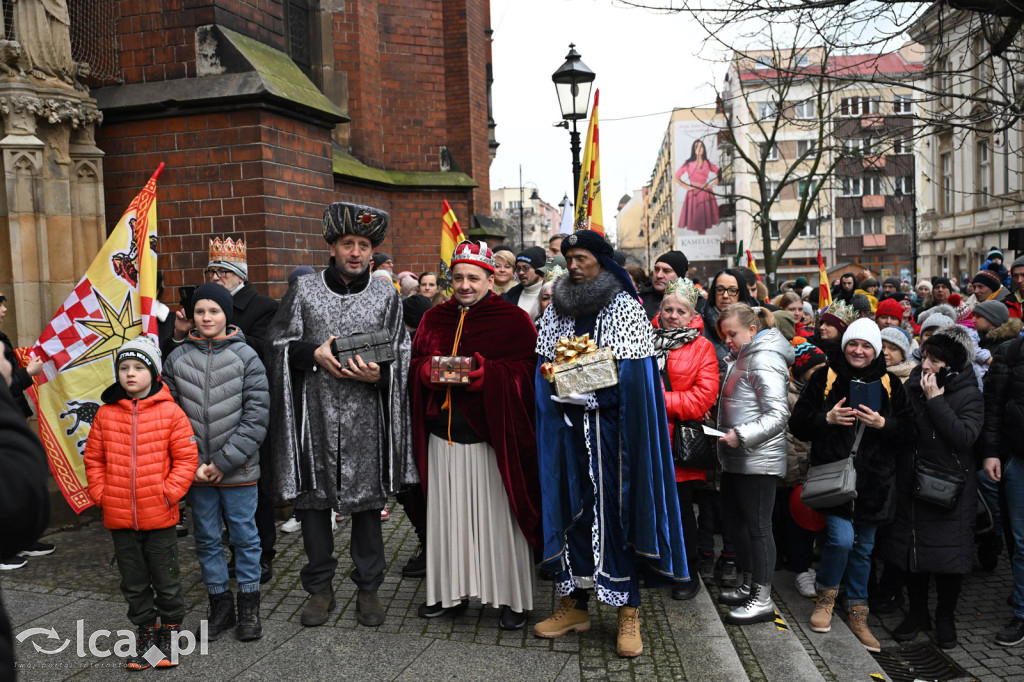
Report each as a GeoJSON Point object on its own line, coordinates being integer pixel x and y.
{"type": "Point", "coordinates": [237, 506]}
{"type": "Point", "coordinates": [846, 557]}
{"type": "Point", "coordinates": [1013, 485]}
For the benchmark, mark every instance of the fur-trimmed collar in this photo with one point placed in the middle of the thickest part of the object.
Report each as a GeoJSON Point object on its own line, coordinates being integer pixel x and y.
{"type": "Point", "coordinates": [1008, 330]}
{"type": "Point", "coordinates": [585, 298]}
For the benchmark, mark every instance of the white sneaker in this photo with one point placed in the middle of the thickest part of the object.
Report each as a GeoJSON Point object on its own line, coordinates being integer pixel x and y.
{"type": "Point", "coordinates": [292, 525]}
{"type": "Point", "coordinates": [805, 583]}
{"type": "Point", "coordinates": [13, 563]}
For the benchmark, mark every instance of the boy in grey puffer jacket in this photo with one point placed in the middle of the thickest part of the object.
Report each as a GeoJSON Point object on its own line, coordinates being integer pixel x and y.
{"type": "Point", "coordinates": [221, 384]}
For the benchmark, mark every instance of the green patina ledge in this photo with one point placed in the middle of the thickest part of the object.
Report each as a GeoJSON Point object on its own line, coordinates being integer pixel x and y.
{"type": "Point", "coordinates": [281, 77]}
{"type": "Point", "coordinates": [349, 167]}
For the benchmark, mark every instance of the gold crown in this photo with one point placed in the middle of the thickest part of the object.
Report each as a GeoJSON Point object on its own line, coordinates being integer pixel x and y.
{"type": "Point", "coordinates": [681, 286]}
{"type": "Point", "coordinates": [842, 311]}
{"type": "Point", "coordinates": [227, 251]}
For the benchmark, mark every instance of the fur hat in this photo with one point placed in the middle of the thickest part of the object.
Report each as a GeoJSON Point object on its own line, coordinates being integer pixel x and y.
{"type": "Point", "coordinates": [864, 330]}
{"type": "Point", "coordinates": [342, 218]}
{"type": "Point", "coordinates": [994, 311]}
{"type": "Point", "coordinates": [955, 344]}
{"type": "Point", "coordinates": [898, 338]}
{"type": "Point", "coordinates": [941, 309]}
{"type": "Point", "coordinates": [143, 349]}
{"type": "Point", "coordinates": [890, 307]}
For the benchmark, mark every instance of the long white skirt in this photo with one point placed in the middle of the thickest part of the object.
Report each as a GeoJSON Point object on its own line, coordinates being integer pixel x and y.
{"type": "Point", "coordinates": [475, 548]}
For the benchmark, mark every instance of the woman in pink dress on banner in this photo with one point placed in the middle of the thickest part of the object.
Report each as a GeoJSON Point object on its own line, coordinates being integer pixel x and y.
{"type": "Point", "coordinates": [700, 208]}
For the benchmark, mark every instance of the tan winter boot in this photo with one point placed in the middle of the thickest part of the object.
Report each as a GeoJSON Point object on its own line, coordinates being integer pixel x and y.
{"type": "Point", "coordinates": [566, 619]}
{"type": "Point", "coordinates": [821, 619]}
{"type": "Point", "coordinates": [629, 644]}
{"type": "Point", "coordinates": [858, 624]}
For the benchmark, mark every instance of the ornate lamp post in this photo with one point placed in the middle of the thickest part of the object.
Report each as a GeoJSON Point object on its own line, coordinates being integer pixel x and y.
{"type": "Point", "coordinates": [573, 81]}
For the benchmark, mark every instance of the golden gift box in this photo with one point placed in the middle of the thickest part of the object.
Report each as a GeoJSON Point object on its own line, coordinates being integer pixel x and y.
{"type": "Point", "coordinates": [580, 366]}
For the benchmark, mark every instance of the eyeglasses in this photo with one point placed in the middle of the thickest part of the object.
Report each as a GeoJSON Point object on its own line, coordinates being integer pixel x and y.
{"type": "Point", "coordinates": [732, 291]}
{"type": "Point", "coordinates": [523, 268]}
{"type": "Point", "coordinates": [216, 272]}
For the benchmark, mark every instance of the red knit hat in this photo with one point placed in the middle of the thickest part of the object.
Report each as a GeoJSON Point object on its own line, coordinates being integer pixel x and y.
{"type": "Point", "coordinates": [891, 307]}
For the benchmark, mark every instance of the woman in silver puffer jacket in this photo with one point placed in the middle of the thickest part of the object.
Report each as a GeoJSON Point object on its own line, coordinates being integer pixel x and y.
{"type": "Point", "coordinates": [753, 411]}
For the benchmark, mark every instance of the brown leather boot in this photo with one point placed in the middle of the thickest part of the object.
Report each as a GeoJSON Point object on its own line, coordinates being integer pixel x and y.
{"type": "Point", "coordinates": [858, 624]}
{"type": "Point", "coordinates": [566, 619]}
{"type": "Point", "coordinates": [629, 644]}
{"type": "Point", "coordinates": [821, 619]}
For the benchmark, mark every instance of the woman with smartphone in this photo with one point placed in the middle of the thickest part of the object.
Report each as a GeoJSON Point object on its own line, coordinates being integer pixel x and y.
{"type": "Point", "coordinates": [927, 539]}
{"type": "Point", "coordinates": [875, 435]}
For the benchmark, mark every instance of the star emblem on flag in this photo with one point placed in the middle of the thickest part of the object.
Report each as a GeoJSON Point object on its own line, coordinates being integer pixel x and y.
{"type": "Point", "coordinates": [116, 327]}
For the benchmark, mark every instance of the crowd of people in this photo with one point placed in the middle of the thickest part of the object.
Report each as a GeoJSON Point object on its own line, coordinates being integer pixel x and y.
{"type": "Point", "coordinates": [556, 415]}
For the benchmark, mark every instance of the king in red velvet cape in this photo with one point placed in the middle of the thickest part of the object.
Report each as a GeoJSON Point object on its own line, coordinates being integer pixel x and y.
{"type": "Point", "coordinates": [503, 412]}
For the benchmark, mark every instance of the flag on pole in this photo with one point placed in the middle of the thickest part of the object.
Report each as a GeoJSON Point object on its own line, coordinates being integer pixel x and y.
{"type": "Point", "coordinates": [451, 236]}
{"type": "Point", "coordinates": [824, 291]}
{"type": "Point", "coordinates": [112, 303]}
{"type": "Point", "coordinates": [752, 264]}
{"type": "Point", "coordinates": [589, 215]}
{"type": "Point", "coordinates": [565, 227]}
{"type": "Point", "coordinates": [736, 258]}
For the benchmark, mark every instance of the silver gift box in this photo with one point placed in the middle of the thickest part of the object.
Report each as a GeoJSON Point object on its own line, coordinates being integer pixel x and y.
{"type": "Point", "coordinates": [587, 373]}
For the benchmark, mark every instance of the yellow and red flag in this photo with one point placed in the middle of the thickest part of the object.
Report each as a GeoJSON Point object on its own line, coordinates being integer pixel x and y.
{"type": "Point", "coordinates": [824, 290]}
{"type": "Point", "coordinates": [589, 215]}
{"type": "Point", "coordinates": [112, 303]}
{"type": "Point", "coordinates": [451, 236]}
{"type": "Point", "coordinates": [752, 264]}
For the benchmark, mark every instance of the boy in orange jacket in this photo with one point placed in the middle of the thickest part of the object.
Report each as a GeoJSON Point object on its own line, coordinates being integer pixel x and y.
{"type": "Point", "coordinates": [139, 462]}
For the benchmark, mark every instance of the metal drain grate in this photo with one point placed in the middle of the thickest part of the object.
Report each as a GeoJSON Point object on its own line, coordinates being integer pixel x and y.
{"type": "Point", "coordinates": [918, 662]}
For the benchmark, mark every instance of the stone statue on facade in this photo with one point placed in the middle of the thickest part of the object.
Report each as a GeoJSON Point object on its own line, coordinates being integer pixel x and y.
{"type": "Point", "coordinates": [43, 29]}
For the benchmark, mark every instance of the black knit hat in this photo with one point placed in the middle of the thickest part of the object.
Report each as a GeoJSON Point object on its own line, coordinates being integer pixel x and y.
{"type": "Point", "coordinates": [944, 281]}
{"type": "Point", "coordinates": [534, 256]}
{"type": "Point", "coordinates": [413, 309]}
{"type": "Point", "coordinates": [215, 293]}
{"type": "Point", "coordinates": [677, 261]}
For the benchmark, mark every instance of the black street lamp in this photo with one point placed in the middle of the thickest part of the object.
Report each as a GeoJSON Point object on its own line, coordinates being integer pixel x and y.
{"type": "Point", "coordinates": [573, 81]}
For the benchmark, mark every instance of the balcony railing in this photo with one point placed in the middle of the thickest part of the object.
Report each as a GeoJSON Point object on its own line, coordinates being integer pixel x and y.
{"type": "Point", "coordinates": [872, 202]}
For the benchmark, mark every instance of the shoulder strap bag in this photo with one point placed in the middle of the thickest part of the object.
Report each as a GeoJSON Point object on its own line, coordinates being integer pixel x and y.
{"type": "Point", "coordinates": [691, 447]}
{"type": "Point", "coordinates": [835, 483]}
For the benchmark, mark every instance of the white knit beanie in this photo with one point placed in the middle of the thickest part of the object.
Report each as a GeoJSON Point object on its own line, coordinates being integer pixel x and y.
{"type": "Point", "coordinates": [864, 329]}
{"type": "Point", "coordinates": [143, 349]}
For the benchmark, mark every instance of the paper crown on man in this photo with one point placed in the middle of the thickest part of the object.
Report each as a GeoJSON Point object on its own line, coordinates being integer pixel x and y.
{"type": "Point", "coordinates": [475, 253]}
{"type": "Point", "coordinates": [343, 218]}
{"type": "Point", "coordinates": [229, 254]}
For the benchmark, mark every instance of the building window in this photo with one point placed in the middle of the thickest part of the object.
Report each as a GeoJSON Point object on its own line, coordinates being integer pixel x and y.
{"type": "Point", "coordinates": [944, 77]}
{"type": "Point", "coordinates": [856, 146]}
{"type": "Point", "coordinates": [904, 224]}
{"type": "Point", "coordinates": [497, 205]}
{"type": "Point", "coordinates": [773, 230]}
{"type": "Point", "coordinates": [853, 227]}
{"type": "Point", "coordinates": [810, 230]}
{"type": "Point", "coordinates": [804, 110]}
{"type": "Point", "coordinates": [771, 188]}
{"type": "Point", "coordinates": [766, 110]}
{"type": "Point", "coordinates": [946, 162]}
{"type": "Point", "coordinates": [807, 187]}
{"type": "Point", "coordinates": [983, 184]}
{"type": "Point", "coordinates": [852, 187]}
{"type": "Point", "coordinates": [514, 204]}
{"type": "Point", "coordinates": [872, 184]}
{"type": "Point", "coordinates": [903, 145]}
{"type": "Point", "coordinates": [769, 152]}
{"type": "Point", "coordinates": [981, 66]}
{"type": "Point", "coordinates": [801, 60]}
{"type": "Point", "coordinates": [903, 186]}
{"type": "Point", "coordinates": [858, 106]}
{"type": "Point", "coordinates": [805, 147]}
{"type": "Point", "coordinates": [763, 63]}
{"type": "Point", "coordinates": [903, 104]}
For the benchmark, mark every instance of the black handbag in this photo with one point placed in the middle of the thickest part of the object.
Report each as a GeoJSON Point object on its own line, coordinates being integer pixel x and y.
{"type": "Point", "coordinates": [370, 347]}
{"type": "Point", "coordinates": [691, 447]}
{"type": "Point", "coordinates": [937, 485]}
{"type": "Point", "coordinates": [833, 484]}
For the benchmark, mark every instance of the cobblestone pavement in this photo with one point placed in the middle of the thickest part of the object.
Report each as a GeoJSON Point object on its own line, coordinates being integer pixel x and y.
{"type": "Point", "coordinates": [79, 581]}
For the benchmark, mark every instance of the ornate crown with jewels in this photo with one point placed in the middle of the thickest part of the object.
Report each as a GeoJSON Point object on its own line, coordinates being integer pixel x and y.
{"type": "Point", "coordinates": [681, 286]}
{"type": "Point", "coordinates": [842, 311]}
{"type": "Point", "coordinates": [227, 251]}
{"type": "Point", "coordinates": [475, 253]}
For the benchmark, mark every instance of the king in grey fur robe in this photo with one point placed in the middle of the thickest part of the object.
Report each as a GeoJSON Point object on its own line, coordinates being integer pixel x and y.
{"type": "Point", "coordinates": [339, 443]}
